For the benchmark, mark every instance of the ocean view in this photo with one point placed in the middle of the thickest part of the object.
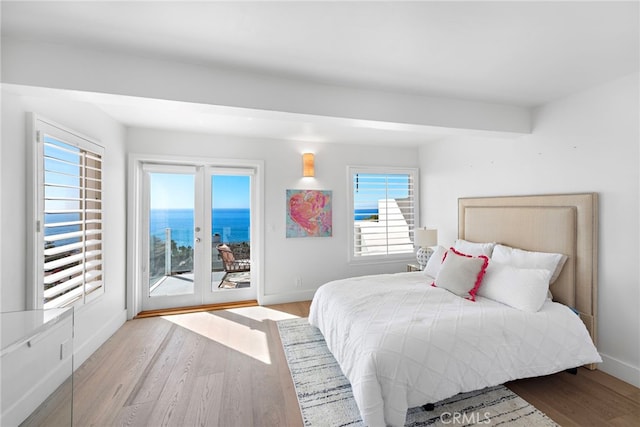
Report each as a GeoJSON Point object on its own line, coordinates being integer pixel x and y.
{"type": "Point", "coordinates": [233, 225]}
{"type": "Point", "coordinates": [362, 214]}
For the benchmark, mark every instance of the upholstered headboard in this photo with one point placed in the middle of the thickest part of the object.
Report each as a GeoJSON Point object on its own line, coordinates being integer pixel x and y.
{"type": "Point", "coordinates": [560, 223]}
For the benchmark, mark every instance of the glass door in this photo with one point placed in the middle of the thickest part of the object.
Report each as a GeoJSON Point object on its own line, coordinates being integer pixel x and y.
{"type": "Point", "coordinates": [230, 192]}
{"type": "Point", "coordinates": [198, 236]}
{"type": "Point", "coordinates": [174, 224]}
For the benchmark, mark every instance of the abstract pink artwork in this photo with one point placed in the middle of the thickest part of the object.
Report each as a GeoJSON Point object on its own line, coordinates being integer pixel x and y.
{"type": "Point", "coordinates": [309, 213]}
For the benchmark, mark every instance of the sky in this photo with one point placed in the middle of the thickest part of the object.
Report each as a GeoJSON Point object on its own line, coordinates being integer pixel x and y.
{"type": "Point", "coordinates": [176, 191]}
{"type": "Point", "coordinates": [369, 188]}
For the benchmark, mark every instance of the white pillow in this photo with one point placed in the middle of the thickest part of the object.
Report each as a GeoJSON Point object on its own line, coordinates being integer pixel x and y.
{"type": "Point", "coordinates": [522, 288]}
{"type": "Point", "coordinates": [528, 259]}
{"type": "Point", "coordinates": [473, 249]}
{"type": "Point", "coordinates": [435, 261]}
{"type": "Point", "coordinates": [461, 274]}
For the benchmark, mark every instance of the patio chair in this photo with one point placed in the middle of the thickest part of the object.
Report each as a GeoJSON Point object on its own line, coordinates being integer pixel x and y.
{"type": "Point", "coordinates": [230, 263]}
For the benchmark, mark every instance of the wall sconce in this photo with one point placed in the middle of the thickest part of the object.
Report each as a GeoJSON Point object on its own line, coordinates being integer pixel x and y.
{"type": "Point", "coordinates": [308, 164]}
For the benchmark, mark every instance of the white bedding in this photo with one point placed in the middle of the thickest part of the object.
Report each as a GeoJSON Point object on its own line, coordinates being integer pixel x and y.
{"type": "Point", "coordinates": [403, 343]}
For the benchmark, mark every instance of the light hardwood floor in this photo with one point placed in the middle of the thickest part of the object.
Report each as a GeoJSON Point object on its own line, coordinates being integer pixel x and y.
{"type": "Point", "coordinates": [227, 368]}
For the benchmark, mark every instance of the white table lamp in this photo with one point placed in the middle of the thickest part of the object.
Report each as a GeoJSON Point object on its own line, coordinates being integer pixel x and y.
{"type": "Point", "coordinates": [424, 239]}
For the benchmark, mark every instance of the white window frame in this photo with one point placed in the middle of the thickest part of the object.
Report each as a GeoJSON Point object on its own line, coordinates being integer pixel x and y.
{"type": "Point", "coordinates": [353, 257]}
{"type": "Point", "coordinates": [91, 281]}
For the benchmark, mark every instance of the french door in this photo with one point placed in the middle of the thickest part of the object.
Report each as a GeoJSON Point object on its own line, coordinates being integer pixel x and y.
{"type": "Point", "coordinates": [191, 214]}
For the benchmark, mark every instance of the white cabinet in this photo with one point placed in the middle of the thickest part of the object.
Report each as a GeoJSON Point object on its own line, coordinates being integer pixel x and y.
{"type": "Point", "coordinates": [36, 361]}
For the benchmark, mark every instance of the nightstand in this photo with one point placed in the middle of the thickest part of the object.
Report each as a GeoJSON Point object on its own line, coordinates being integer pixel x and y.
{"type": "Point", "coordinates": [413, 267]}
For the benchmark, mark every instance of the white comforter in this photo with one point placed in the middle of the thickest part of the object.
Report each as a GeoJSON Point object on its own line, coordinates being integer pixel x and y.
{"type": "Point", "coordinates": [403, 343]}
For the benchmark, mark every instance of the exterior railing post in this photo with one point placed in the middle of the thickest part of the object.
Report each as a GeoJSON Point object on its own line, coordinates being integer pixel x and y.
{"type": "Point", "coordinates": [167, 252]}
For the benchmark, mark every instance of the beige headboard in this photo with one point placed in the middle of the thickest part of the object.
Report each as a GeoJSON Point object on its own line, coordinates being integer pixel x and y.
{"type": "Point", "coordinates": [560, 223]}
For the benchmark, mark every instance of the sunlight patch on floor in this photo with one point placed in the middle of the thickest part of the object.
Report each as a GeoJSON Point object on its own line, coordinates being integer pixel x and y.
{"type": "Point", "coordinates": [241, 338]}
{"type": "Point", "coordinates": [262, 313]}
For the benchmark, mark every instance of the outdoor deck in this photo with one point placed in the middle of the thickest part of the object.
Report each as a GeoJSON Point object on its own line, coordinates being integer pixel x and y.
{"type": "Point", "coordinates": [180, 284]}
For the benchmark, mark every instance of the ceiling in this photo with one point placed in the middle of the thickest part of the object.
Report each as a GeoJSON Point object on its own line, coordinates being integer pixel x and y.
{"type": "Point", "coordinates": [518, 53]}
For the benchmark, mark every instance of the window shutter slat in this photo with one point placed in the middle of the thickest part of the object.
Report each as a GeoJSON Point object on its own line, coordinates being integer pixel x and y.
{"type": "Point", "coordinates": [63, 236]}
{"type": "Point", "coordinates": [65, 299]}
{"type": "Point", "coordinates": [51, 265]}
{"type": "Point", "coordinates": [57, 250]}
{"type": "Point", "coordinates": [63, 287]}
{"type": "Point", "coordinates": [72, 209]}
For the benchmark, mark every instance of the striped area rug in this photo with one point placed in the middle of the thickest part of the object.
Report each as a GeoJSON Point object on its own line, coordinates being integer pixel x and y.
{"type": "Point", "coordinates": [325, 394]}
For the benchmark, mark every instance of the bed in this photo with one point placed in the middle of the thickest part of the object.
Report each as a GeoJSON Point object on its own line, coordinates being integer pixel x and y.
{"type": "Point", "coordinates": [403, 343]}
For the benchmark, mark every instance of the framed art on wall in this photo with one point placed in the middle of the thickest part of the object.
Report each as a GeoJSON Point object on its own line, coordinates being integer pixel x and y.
{"type": "Point", "coordinates": [309, 213]}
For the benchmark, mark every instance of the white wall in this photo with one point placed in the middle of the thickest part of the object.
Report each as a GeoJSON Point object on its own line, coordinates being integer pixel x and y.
{"type": "Point", "coordinates": [314, 260]}
{"type": "Point", "coordinates": [98, 320]}
{"type": "Point", "coordinates": [583, 143]}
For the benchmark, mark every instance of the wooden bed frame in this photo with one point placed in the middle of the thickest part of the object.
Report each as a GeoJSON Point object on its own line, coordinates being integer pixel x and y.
{"type": "Point", "coordinates": [560, 223]}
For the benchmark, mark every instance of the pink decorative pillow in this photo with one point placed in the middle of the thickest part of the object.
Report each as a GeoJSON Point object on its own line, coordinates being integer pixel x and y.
{"type": "Point", "coordinates": [461, 274]}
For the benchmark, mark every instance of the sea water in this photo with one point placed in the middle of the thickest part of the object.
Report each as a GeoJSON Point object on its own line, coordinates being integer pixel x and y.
{"type": "Point", "coordinates": [230, 225]}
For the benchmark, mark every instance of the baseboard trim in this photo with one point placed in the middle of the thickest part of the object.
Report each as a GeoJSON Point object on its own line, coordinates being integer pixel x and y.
{"type": "Point", "coordinates": [82, 351]}
{"type": "Point", "coordinates": [287, 297]}
{"type": "Point", "coordinates": [196, 309]}
{"type": "Point", "coordinates": [621, 370]}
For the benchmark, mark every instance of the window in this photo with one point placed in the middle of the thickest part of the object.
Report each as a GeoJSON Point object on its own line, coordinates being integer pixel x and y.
{"type": "Point", "coordinates": [384, 208]}
{"type": "Point", "coordinates": [67, 244]}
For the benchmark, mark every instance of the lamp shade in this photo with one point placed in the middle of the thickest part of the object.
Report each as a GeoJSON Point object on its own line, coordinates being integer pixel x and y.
{"type": "Point", "coordinates": [425, 237]}
{"type": "Point", "coordinates": [308, 166]}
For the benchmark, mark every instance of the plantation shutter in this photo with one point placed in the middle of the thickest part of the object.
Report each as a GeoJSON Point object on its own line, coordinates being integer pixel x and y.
{"type": "Point", "coordinates": [70, 177]}
{"type": "Point", "coordinates": [384, 210]}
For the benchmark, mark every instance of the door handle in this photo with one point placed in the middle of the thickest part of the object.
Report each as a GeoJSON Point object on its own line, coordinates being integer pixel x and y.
{"type": "Point", "coordinates": [197, 240]}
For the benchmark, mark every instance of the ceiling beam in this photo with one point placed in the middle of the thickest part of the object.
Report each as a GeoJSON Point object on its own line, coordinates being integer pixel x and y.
{"type": "Point", "coordinates": [73, 68]}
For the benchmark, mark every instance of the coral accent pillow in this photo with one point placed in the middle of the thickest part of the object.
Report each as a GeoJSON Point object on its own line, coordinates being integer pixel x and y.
{"type": "Point", "coordinates": [461, 274]}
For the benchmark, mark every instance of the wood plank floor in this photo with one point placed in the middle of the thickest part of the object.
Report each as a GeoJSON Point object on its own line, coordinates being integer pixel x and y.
{"type": "Point", "coordinates": [227, 368]}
